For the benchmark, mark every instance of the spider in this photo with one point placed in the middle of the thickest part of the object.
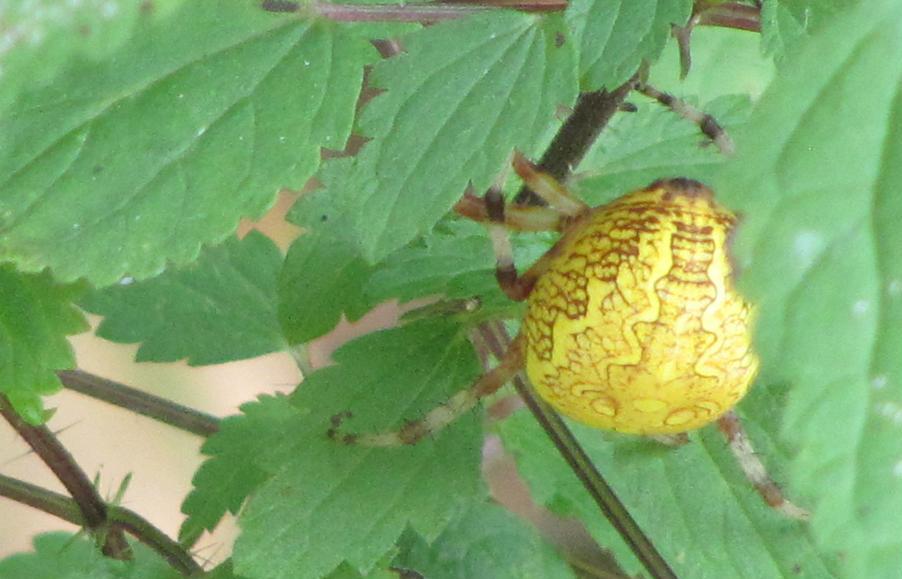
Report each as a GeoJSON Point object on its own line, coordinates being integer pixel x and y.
{"type": "Point", "coordinates": [632, 321]}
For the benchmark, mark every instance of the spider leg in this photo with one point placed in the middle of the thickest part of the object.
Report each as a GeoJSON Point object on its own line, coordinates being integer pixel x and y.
{"type": "Point", "coordinates": [518, 217]}
{"type": "Point", "coordinates": [671, 440]}
{"type": "Point", "coordinates": [753, 468]}
{"type": "Point", "coordinates": [548, 188]}
{"type": "Point", "coordinates": [708, 125]}
{"type": "Point", "coordinates": [443, 415]}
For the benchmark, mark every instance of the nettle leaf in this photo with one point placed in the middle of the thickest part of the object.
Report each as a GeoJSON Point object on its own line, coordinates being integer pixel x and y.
{"type": "Point", "coordinates": [614, 37]}
{"type": "Point", "coordinates": [717, 55]}
{"type": "Point", "coordinates": [487, 541]}
{"type": "Point", "coordinates": [639, 148]}
{"type": "Point", "coordinates": [67, 556]}
{"type": "Point", "coordinates": [455, 261]}
{"type": "Point", "coordinates": [457, 102]}
{"type": "Point", "coordinates": [36, 315]}
{"type": "Point", "coordinates": [693, 502]}
{"type": "Point", "coordinates": [323, 277]}
{"type": "Point", "coordinates": [231, 473]}
{"type": "Point", "coordinates": [39, 39]}
{"type": "Point", "coordinates": [786, 23]}
{"type": "Point", "coordinates": [330, 503]}
{"type": "Point", "coordinates": [218, 309]}
{"type": "Point", "coordinates": [819, 247]}
{"type": "Point", "coordinates": [126, 162]}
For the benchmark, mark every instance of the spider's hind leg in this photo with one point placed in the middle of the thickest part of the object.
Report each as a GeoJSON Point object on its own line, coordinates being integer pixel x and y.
{"type": "Point", "coordinates": [753, 468]}
{"type": "Point", "coordinates": [440, 416]}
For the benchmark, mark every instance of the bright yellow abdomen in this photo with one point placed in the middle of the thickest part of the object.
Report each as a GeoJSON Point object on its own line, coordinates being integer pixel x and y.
{"type": "Point", "coordinates": [636, 326]}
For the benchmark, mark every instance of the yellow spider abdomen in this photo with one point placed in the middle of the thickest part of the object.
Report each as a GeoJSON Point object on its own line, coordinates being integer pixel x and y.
{"type": "Point", "coordinates": [635, 326]}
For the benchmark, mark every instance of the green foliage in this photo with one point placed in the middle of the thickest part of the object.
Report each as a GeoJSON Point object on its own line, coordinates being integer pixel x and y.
{"type": "Point", "coordinates": [486, 541]}
{"type": "Point", "coordinates": [323, 277]}
{"type": "Point", "coordinates": [818, 182]}
{"type": "Point", "coordinates": [220, 308]}
{"type": "Point", "coordinates": [621, 34]}
{"type": "Point", "coordinates": [326, 503]}
{"type": "Point", "coordinates": [786, 23]}
{"type": "Point", "coordinates": [36, 315]}
{"type": "Point", "coordinates": [131, 143]}
{"type": "Point", "coordinates": [67, 556]}
{"type": "Point", "coordinates": [121, 164]}
{"type": "Point", "coordinates": [716, 525]}
{"type": "Point", "coordinates": [459, 99]}
{"type": "Point", "coordinates": [231, 473]}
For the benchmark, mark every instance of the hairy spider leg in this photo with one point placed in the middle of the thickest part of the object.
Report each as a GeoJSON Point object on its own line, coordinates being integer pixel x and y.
{"type": "Point", "coordinates": [443, 415]}
{"type": "Point", "coordinates": [731, 427]}
{"type": "Point", "coordinates": [706, 123]}
{"type": "Point", "coordinates": [516, 217]}
{"type": "Point", "coordinates": [548, 188]}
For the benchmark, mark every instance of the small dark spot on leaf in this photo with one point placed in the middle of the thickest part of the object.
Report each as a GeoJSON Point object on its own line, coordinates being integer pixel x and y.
{"type": "Point", "coordinates": [797, 569]}
{"type": "Point", "coordinates": [147, 7]}
{"type": "Point", "coordinates": [324, 218]}
{"type": "Point", "coordinates": [84, 30]}
{"type": "Point", "coordinates": [559, 39]}
{"type": "Point", "coordinates": [97, 169]}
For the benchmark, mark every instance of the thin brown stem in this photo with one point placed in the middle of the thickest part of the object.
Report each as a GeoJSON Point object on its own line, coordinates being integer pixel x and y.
{"type": "Point", "coordinates": [69, 510]}
{"type": "Point", "coordinates": [730, 15]}
{"type": "Point", "coordinates": [160, 409]}
{"type": "Point", "coordinates": [93, 509]}
{"type": "Point", "coordinates": [496, 337]}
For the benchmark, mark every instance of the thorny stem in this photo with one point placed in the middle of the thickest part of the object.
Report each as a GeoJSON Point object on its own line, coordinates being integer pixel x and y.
{"type": "Point", "coordinates": [92, 507]}
{"type": "Point", "coordinates": [117, 517]}
{"type": "Point", "coordinates": [161, 409]}
{"type": "Point", "coordinates": [729, 14]}
{"type": "Point", "coordinates": [497, 339]}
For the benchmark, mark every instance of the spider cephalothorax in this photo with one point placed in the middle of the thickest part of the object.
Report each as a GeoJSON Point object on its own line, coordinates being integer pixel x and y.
{"type": "Point", "coordinates": [635, 325]}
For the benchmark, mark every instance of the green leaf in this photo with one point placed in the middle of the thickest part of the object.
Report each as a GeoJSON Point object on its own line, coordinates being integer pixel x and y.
{"type": "Point", "coordinates": [819, 184]}
{"type": "Point", "coordinates": [231, 473]}
{"type": "Point", "coordinates": [693, 502]}
{"type": "Point", "coordinates": [457, 102]}
{"type": "Point", "coordinates": [38, 39]}
{"type": "Point", "coordinates": [455, 261]}
{"type": "Point", "coordinates": [218, 309]}
{"type": "Point", "coordinates": [487, 541]}
{"type": "Point", "coordinates": [67, 556]}
{"type": "Point", "coordinates": [323, 277]}
{"type": "Point", "coordinates": [785, 24]}
{"type": "Point", "coordinates": [330, 503]}
{"type": "Point", "coordinates": [639, 148]}
{"type": "Point", "coordinates": [615, 36]}
{"type": "Point", "coordinates": [123, 163]}
{"type": "Point", "coordinates": [36, 315]}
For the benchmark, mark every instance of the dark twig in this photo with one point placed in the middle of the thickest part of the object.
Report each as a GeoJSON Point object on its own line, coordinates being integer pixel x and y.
{"type": "Point", "coordinates": [161, 409]}
{"type": "Point", "coordinates": [729, 14]}
{"type": "Point", "coordinates": [57, 458]}
{"type": "Point", "coordinates": [497, 339]}
{"type": "Point", "coordinates": [590, 116]}
{"type": "Point", "coordinates": [67, 509]}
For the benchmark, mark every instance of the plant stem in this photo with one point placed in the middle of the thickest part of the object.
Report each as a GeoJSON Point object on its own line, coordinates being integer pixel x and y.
{"type": "Point", "coordinates": [161, 409]}
{"type": "Point", "coordinates": [496, 337]}
{"type": "Point", "coordinates": [57, 458]}
{"type": "Point", "coordinates": [729, 15]}
{"type": "Point", "coordinates": [117, 517]}
{"type": "Point", "coordinates": [592, 113]}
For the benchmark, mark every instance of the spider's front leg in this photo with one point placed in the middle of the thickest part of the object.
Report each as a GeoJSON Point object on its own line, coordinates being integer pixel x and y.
{"type": "Point", "coordinates": [731, 427]}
